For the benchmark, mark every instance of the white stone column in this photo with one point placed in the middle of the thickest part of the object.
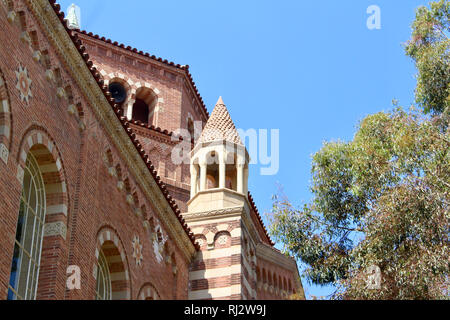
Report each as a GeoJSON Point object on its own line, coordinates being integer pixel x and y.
{"type": "Point", "coordinates": [130, 110]}
{"type": "Point", "coordinates": [194, 177]}
{"type": "Point", "coordinates": [203, 176]}
{"type": "Point", "coordinates": [240, 178]}
{"type": "Point", "coordinates": [222, 169]}
{"type": "Point", "coordinates": [246, 181]}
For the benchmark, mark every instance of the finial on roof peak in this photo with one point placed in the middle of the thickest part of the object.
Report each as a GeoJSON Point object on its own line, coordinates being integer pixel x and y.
{"type": "Point", "coordinates": [220, 126]}
{"type": "Point", "coordinates": [220, 101]}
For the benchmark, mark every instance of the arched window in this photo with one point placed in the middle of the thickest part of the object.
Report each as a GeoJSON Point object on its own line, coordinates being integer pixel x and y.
{"type": "Point", "coordinates": [231, 172]}
{"type": "Point", "coordinates": [111, 271]}
{"type": "Point", "coordinates": [29, 233]}
{"type": "Point", "coordinates": [140, 111]}
{"type": "Point", "coordinates": [144, 106]}
{"type": "Point", "coordinates": [212, 170]}
{"type": "Point", "coordinates": [103, 289]}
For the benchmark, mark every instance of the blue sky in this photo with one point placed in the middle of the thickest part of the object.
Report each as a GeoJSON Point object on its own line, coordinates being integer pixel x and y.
{"type": "Point", "coordinates": [311, 69]}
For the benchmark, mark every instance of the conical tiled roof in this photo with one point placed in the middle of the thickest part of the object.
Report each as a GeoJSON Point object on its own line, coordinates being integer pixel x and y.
{"type": "Point", "coordinates": [220, 126]}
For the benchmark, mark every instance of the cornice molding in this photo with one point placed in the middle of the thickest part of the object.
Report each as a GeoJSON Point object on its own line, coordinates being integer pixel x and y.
{"type": "Point", "coordinates": [74, 63]}
{"type": "Point", "coordinates": [207, 215]}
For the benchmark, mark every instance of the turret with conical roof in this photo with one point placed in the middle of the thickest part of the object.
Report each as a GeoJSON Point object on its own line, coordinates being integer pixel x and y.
{"type": "Point", "coordinates": [234, 254]}
{"type": "Point", "coordinates": [219, 212]}
{"type": "Point", "coordinates": [219, 160]}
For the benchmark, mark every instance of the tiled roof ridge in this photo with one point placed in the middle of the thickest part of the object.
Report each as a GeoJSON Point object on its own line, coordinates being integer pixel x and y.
{"type": "Point", "coordinates": [153, 57]}
{"type": "Point", "coordinates": [125, 123]}
{"type": "Point", "coordinates": [252, 203]}
{"type": "Point", "coordinates": [152, 127]}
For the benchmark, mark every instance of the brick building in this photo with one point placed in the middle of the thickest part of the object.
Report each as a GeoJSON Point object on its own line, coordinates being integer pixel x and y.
{"type": "Point", "coordinates": [87, 178]}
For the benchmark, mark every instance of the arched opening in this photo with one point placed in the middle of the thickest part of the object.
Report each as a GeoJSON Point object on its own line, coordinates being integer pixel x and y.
{"type": "Point", "coordinates": [212, 170]}
{"type": "Point", "coordinates": [29, 234]}
{"type": "Point", "coordinates": [144, 106]}
{"type": "Point", "coordinates": [140, 111]}
{"type": "Point", "coordinates": [118, 91]}
{"type": "Point", "coordinates": [231, 172]}
{"type": "Point", "coordinates": [112, 283]}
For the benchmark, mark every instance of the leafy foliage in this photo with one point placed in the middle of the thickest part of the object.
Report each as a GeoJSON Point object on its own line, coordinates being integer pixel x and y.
{"type": "Point", "coordinates": [383, 199]}
{"type": "Point", "coordinates": [429, 48]}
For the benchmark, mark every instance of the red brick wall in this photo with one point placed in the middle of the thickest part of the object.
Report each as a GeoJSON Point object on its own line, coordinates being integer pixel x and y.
{"type": "Point", "coordinates": [93, 199]}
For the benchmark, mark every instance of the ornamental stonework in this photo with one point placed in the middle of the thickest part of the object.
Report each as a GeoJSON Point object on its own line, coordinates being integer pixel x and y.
{"type": "Point", "coordinates": [137, 250]}
{"type": "Point", "coordinates": [23, 84]}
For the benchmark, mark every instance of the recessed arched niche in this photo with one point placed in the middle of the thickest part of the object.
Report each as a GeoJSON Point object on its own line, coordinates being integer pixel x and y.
{"type": "Point", "coordinates": [144, 106]}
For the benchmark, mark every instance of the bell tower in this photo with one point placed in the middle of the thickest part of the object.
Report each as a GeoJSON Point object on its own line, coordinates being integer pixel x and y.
{"type": "Point", "coordinates": [217, 210]}
{"type": "Point", "coordinates": [219, 165]}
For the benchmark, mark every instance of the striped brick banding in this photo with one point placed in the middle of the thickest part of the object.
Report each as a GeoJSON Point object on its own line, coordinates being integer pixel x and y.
{"type": "Point", "coordinates": [217, 273]}
{"type": "Point", "coordinates": [109, 243]}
